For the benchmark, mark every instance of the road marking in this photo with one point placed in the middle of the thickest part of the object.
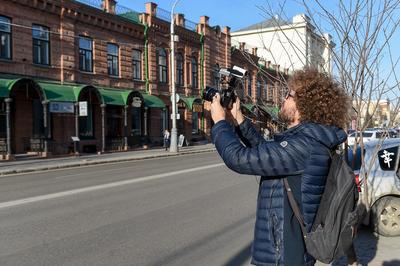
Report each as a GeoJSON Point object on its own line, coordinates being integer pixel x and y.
{"type": "Point", "coordinates": [14, 203]}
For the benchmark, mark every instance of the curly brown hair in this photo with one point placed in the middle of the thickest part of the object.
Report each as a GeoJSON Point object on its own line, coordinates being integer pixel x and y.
{"type": "Point", "coordinates": [319, 98]}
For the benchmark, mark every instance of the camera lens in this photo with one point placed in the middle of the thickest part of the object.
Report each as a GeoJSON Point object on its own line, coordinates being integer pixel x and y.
{"type": "Point", "coordinates": [209, 93]}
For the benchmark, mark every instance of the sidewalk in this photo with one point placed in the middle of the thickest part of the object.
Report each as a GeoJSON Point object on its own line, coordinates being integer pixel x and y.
{"type": "Point", "coordinates": [39, 164]}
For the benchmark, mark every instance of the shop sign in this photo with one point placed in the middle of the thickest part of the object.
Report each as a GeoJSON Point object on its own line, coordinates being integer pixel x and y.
{"type": "Point", "coordinates": [136, 102]}
{"type": "Point", "coordinates": [61, 107]}
{"type": "Point", "coordinates": [83, 109]}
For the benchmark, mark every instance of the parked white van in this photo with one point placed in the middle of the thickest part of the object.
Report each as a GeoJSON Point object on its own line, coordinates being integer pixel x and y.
{"type": "Point", "coordinates": [381, 170]}
{"type": "Point", "coordinates": [367, 135]}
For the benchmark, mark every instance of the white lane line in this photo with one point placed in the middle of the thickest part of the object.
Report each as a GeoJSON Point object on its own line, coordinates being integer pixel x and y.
{"type": "Point", "coordinates": [103, 186]}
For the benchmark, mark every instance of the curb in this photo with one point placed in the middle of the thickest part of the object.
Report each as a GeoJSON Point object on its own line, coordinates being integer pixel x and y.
{"type": "Point", "coordinates": [84, 162]}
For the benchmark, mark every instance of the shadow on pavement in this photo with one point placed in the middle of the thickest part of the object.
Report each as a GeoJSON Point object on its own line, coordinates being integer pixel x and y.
{"type": "Point", "coordinates": [391, 263]}
{"type": "Point", "coordinates": [241, 257]}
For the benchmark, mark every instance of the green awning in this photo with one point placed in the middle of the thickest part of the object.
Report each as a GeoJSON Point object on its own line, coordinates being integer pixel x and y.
{"type": "Point", "coordinates": [55, 92]}
{"type": "Point", "coordinates": [5, 87]}
{"type": "Point", "coordinates": [6, 84]}
{"type": "Point", "coordinates": [248, 106]}
{"type": "Point", "coordinates": [112, 96]}
{"type": "Point", "coordinates": [189, 101]}
{"type": "Point", "coordinates": [152, 101]}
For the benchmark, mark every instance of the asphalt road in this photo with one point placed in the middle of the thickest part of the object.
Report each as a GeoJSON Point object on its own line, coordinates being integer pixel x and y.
{"type": "Point", "coordinates": [186, 210]}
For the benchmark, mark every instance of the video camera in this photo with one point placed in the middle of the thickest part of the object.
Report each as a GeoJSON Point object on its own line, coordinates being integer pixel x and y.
{"type": "Point", "coordinates": [233, 77]}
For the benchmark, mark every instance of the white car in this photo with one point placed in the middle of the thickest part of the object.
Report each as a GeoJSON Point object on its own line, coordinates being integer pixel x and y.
{"type": "Point", "coordinates": [379, 179]}
{"type": "Point", "coordinates": [367, 136]}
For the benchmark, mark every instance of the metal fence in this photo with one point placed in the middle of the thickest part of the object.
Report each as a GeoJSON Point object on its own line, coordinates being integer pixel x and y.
{"type": "Point", "coordinates": [163, 14]}
{"type": "Point", "coordinates": [190, 25]}
{"type": "Point", "coordinates": [93, 3]}
{"type": "Point", "coordinates": [166, 16]}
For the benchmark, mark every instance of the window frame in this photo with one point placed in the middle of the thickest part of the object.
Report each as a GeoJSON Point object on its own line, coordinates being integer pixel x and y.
{"type": "Point", "coordinates": [40, 43]}
{"type": "Point", "coordinates": [195, 74]}
{"type": "Point", "coordinates": [195, 123]}
{"type": "Point", "coordinates": [83, 52]}
{"type": "Point", "coordinates": [87, 123]}
{"type": "Point", "coordinates": [249, 85]}
{"type": "Point", "coordinates": [259, 88]}
{"type": "Point", "coordinates": [137, 65]}
{"type": "Point", "coordinates": [114, 70]}
{"type": "Point", "coordinates": [9, 34]}
{"type": "Point", "coordinates": [162, 68]}
{"type": "Point", "coordinates": [179, 69]}
{"type": "Point", "coordinates": [136, 121]}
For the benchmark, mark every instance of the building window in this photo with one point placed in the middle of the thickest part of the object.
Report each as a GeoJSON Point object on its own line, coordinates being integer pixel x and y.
{"type": "Point", "coordinates": [136, 115]}
{"type": "Point", "coordinates": [3, 119]}
{"type": "Point", "coordinates": [195, 123]}
{"type": "Point", "coordinates": [179, 69]}
{"type": "Point", "coordinates": [41, 45]}
{"type": "Point", "coordinates": [38, 120]}
{"type": "Point", "coordinates": [5, 38]}
{"type": "Point", "coordinates": [114, 121]}
{"type": "Point", "coordinates": [137, 64]}
{"type": "Point", "coordinates": [249, 86]}
{"type": "Point", "coordinates": [86, 124]}
{"type": "Point", "coordinates": [195, 79]}
{"type": "Point", "coordinates": [162, 66]}
{"type": "Point", "coordinates": [85, 54]}
{"type": "Point", "coordinates": [258, 89]}
{"type": "Point", "coordinates": [113, 59]}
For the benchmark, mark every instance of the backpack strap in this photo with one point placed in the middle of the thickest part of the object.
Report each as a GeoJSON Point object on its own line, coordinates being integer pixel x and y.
{"type": "Point", "coordinates": [295, 207]}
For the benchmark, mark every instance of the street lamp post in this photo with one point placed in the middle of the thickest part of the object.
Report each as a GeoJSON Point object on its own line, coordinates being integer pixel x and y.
{"type": "Point", "coordinates": [174, 132]}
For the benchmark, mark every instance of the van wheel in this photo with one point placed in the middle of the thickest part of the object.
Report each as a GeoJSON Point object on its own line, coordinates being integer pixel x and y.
{"type": "Point", "coordinates": [386, 216]}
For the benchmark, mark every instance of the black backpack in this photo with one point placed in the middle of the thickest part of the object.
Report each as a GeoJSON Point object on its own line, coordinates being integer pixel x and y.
{"type": "Point", "coordinates": [331, 235]}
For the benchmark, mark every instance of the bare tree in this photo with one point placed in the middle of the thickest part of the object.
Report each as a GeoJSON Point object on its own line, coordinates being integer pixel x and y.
{"type": "Point", "coordinates": [364, 60]}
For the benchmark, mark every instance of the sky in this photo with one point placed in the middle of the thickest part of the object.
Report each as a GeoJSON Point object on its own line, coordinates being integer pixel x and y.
{"type": "Point", "coordinates": [236, 14]}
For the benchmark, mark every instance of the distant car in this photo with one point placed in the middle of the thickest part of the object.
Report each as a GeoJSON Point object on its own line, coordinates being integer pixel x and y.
{"type": "Point", "coordinates": [367, 136]}
{"type": "Point", "coordinates": [382, 170]}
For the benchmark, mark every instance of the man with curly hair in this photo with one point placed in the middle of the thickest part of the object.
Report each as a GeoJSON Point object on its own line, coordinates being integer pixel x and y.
{"type": "Point", "coordinates": [315, 109]}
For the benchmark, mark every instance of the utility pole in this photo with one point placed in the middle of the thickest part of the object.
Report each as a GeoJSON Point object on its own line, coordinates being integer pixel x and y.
{"type": "Point", "coordinates": [174, 131]}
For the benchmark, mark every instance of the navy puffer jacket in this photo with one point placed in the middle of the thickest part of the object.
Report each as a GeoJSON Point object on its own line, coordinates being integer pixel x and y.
{"type": "Point", "coordinates": [302, 155]}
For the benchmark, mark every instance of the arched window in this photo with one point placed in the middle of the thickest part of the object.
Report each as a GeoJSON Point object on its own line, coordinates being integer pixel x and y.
{"type": "Point", "coordinates": [162, 66]}
{"type": "Point", "coordinates": [179, 69]}
{"type": "Point", "coordinates": [195, 80]}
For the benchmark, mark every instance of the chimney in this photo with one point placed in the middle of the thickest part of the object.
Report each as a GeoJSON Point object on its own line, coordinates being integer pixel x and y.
{"type": "Point", "coordinates": [268, 64]}
{"type": "Point", "coordinates": [151, 9]}
{"type": "Point", "coordinates": [204, 20]}
{"type": "Point", "coordinates": [227, 30]}
{"type": "Point", "coordinates": [242, 45]}
{"type": "Point", "coordinates": [109, 6]}
{"type": "Point", "coordinates": [254, 50]}
{"type": "Point", "coordinates": [179, 20]}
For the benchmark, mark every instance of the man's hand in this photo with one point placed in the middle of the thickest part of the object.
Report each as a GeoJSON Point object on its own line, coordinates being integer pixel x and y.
{"type": "Point", "coordinates": [236, 113]}
{"type": "Point", "coordinates": [217, 111]}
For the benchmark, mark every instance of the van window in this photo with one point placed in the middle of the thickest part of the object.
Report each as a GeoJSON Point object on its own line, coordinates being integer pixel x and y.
{"type": "Point", "coordinates": [367, 134]}
{"type": "Point", "coordinates": [388, 158]}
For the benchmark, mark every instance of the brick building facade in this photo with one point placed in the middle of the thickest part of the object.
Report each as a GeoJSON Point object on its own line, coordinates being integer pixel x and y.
{"type": "Point", "coordinates": [101, 72]}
